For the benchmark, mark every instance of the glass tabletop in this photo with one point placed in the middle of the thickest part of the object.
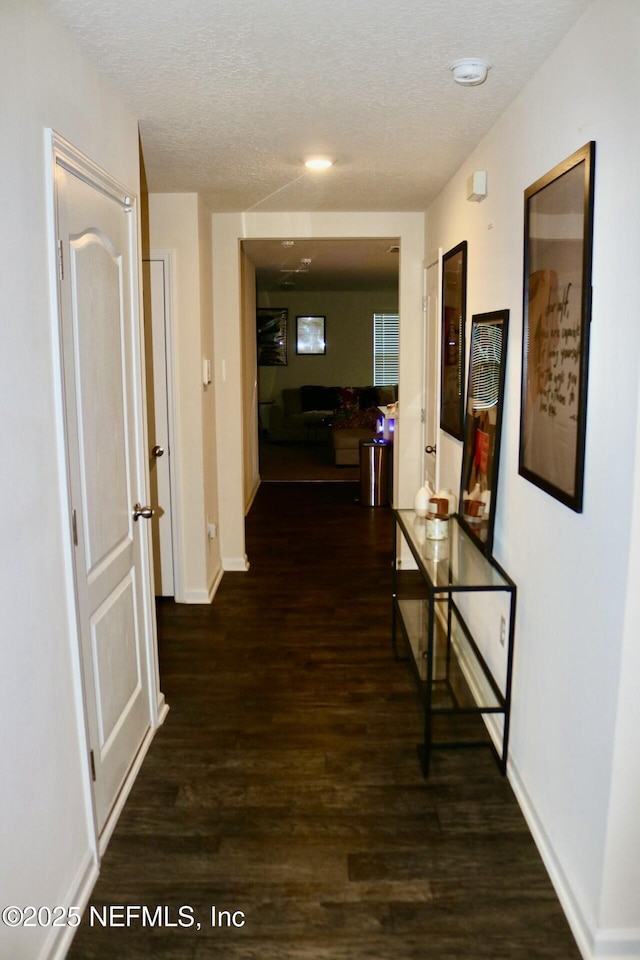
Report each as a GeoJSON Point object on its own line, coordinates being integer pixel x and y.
{"type": "Point", "coordinates": [455, 561]}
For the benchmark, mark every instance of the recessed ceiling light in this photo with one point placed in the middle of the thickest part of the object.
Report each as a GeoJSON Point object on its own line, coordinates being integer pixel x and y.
{"type": "Point", "coordinates": [470, 71]}
{"type": "Point", "coordinates": [318, 163]}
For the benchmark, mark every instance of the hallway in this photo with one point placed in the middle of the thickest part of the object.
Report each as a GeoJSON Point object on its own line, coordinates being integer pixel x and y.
{"type": "Point", "coordinates": [285, 789]}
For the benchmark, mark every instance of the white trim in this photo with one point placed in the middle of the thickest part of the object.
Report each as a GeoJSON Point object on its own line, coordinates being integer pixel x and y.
{"type": "Point", "coordinates": [196, 596]}
{"type": "Point", "coordinates": [57, 943]}
{"type": "Point", "coordinates": [55, 146]}
{"type": "Point", "coordinates": [85, 169]}
{"type": "Point", "coordinates": [162, 709]}
{"type": "Point", "coordinates": [167, 257]}
{"type": "Point", "coordinates": [439, 370]}
{"type": "Point", "coordinates": [617, 944]}
{"type": "Point", "coordinates": [252, 496]}
{"type": "Point", "coordinates": [574, 913]}
{"type": "Point", "coordinates": [237, 564]}
{"type": "Point", "coordinates": [142, 465]}
{"type": "Point", "coordinates": [125, 790]}
{"type": "Point", "coordinates": [215, 583]}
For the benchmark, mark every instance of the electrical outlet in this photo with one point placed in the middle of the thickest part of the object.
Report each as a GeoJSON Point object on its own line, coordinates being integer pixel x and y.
{"type": "Point", "coordinates": [503, 631]}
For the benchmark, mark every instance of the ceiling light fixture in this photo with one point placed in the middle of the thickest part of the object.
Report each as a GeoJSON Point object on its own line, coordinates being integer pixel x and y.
{"type": "Point", "coordinates": [318, 163]}
{"type": "Point", "coordinates": [470, 71]}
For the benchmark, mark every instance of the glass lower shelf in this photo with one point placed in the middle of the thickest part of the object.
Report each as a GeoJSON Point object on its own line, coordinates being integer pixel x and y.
{"type": "Point", "coordinates": [459, 680]}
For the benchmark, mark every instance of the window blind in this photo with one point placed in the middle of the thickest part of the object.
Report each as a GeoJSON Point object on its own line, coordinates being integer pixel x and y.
{"type": "Point", "coordinates": [386, 342]}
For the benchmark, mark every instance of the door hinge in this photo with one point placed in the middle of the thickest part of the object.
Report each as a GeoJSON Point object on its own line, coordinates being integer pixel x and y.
{"type": "Point", "coordinates": [424, 304]}
{"type": "Point", "coordinates": [60, 261]}
{"type": "Point", "coordinates": [74, 524]}
{"type": "Point", "coordinates": [93, 766]}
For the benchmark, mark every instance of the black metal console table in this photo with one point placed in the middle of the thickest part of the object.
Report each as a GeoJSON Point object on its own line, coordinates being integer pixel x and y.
{"type": "Point", "coordinates": [454, 679]}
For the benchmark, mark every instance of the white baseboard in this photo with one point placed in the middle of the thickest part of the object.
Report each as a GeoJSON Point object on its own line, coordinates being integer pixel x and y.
{"type": "Point", "coordinates": [252, 496]}
{"type": "Point", "coordinates": [235, 564]}
{"type": "Point", "coordinates": [617, 944]}
{"type": "Point", "coordinates": [195, 596]}
{"type": "Point", "coordinates": [582, 931]}
{"type": "Point", "coordinates": [215, 583]}
{"type": "Point", "coordinates": [593, 943]}
{"type": "Point", "coordinates": [57, 944]}
{"type": "Point", "coordinates": [130, 779]}
{"type": "Point", "coordinates": [162, 710]}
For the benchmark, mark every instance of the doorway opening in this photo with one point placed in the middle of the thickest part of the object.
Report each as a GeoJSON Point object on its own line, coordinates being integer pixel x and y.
{"type": "Point", "coordinates": [314, 398]}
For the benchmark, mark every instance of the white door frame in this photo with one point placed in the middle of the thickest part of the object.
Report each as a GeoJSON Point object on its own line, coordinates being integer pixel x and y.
{"type": "Point", "coordinates": [170, 377]}
{"type": "Point", "coordinates": [61, 151]}
{"type": "Point", "coordinates": [431, 401]}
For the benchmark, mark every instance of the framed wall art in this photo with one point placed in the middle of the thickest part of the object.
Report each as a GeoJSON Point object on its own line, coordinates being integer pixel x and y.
{"type": "Point", "coordinates": [310, 335]}
{"type": "Point", "coordinates": [454, 313]}
{"type": "Point", "coordinates": [483, 426]}
{"type": "Point", "coordinates": [271, 325]}
{"type": "Point", "coordinates": [558, 218]}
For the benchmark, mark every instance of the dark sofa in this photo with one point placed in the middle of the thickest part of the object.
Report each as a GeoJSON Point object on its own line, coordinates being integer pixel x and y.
{"type": "Point", "coordinates": [313, 413]}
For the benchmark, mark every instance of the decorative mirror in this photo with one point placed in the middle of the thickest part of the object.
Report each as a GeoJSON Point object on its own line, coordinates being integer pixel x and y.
{"type": "Point", "coordinates": [483, 422]}
{"type": "Point", "coordinates": [454, 314]}
{"type": "Point", "coordinates": [310, 338]}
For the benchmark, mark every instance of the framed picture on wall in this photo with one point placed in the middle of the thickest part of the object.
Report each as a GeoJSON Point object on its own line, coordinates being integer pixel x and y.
{"type": "Point", "coordinates": [483, 426]}
{"type": "Point", "coordinates": [310, 335]}
{"type": "Point", "coordinates": [454, 314]}
{"type": "Point", "coordinates": [271, 325]}
{"type": "Point", "coordinates": [558, 217]}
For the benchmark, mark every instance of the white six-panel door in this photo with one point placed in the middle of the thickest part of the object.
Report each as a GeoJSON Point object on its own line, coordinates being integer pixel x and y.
{"type": "Point", "coordinates": [97, 250]}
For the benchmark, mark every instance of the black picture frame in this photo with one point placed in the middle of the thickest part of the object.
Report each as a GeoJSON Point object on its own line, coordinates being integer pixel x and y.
{"type": "Point", "coordinates": [271, 327]}
{"type": "Point", "coordinates": [558, 242]}
{"type": "Point", "coordinates": [483, 426]}
{"type": "Point", "coordinates": [453, 323]}
{"type": "Point", "coordinates": [311, 335]}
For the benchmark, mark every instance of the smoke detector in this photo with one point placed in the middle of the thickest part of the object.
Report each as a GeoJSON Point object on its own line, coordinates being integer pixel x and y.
{"type": "Point", "coordinates": [470, 71]}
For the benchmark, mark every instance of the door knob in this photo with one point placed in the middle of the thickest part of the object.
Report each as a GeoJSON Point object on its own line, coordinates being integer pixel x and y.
{"type": "Point", "coordinates": [140, 511]}
{"type": "Point", "coordinates": [157, 451]}
{"type": "Point", "coordinates": [430, 449]}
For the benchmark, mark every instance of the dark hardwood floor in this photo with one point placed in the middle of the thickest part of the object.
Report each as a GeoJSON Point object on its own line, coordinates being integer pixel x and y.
{"type": "Point", "coordinates": [285, 782]}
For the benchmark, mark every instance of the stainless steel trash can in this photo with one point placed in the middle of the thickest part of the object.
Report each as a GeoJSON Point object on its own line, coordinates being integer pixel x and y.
{"type": "Point", "coordinates": [375, 473]}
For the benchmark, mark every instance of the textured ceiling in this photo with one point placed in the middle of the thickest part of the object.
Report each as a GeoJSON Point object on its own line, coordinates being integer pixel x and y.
{"type": "Point", "coordinates": [334, 264]}
{"type": "Point", "coordinates": [231, 94]}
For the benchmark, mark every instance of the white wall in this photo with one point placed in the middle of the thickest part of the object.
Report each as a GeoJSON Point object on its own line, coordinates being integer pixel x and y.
{"type": "Point", "coordinates": [348, 361]}
{"type": "Point", "coordinates": [178, 222]}
{"type": "Point", "coordinates": [44, 833]}
{"type": "Point", "coordinates": [571, 747]}
{"type": "Point", "coordinates": [228, 230]}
